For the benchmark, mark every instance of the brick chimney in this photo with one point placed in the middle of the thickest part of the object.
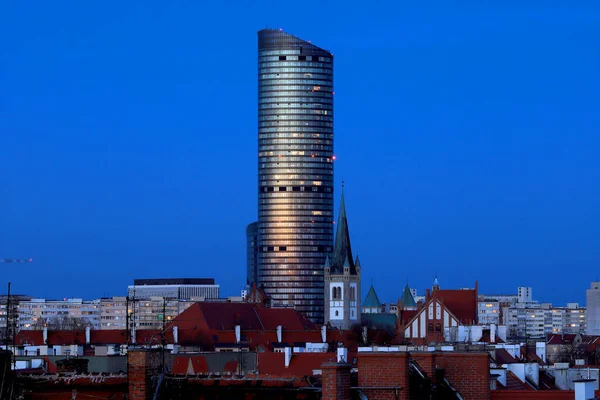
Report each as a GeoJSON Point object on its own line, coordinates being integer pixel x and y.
{"type": "Point", "coordinates": [336, 381]}
{"type": "Point", "coordinates": [143, 365]}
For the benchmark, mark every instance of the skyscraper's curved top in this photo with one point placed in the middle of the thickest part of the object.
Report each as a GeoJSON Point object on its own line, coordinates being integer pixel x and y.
{"type": "Point", "coordinates": [295, 169]}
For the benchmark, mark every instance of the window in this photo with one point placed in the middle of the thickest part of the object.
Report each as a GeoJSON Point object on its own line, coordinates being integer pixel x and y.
{"type": "Point", "coordinates": [438, 328]}
{"type": "Point", "coordinates": [337, 313]}
{"type": "Point", "coordinates": [430, 328]}
{"type": "Point", "coordinates": [281, 58]}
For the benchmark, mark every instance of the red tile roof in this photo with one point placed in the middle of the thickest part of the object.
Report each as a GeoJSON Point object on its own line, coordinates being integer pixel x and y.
{"type": "Point", "coordinates": [301, 364]}
{"type": "Point", "coordinates": [66, 337]}
{"type": "Point", "coordinates": [289, 318]}
{"type": "Point", "coordinates": [32, 338]}
{"type": "Point", "coordinates": [502, 356]}
{"type": "Point", "coordinates": [184, 365]}
{"type": "Point", "coordinates": [461, 303]}
{"type": "Point", "coordinates": [102, 337]}
{"type": "Point", "coordinates": [514, 383]}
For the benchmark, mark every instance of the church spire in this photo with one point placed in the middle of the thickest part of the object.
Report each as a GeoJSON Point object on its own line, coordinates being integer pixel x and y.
{"type": "Point", "coordinates": [342, 249]}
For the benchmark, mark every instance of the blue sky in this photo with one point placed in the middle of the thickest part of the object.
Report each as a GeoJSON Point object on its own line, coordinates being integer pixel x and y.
{"type": "Point", "coordinates": [467, 137]}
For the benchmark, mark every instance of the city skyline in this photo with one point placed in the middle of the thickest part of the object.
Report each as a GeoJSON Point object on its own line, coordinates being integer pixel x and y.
{"type": "Point", "coordinates": [469, 153]}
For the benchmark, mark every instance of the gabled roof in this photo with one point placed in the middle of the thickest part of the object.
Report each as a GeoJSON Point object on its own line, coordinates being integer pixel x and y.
{"type": "Point", "coordinates": [379, 320]}
{"type": "Point", "coordinates": [407, 298]}
{"type": "Point", "coordinates": [462, 303]}
{"type": "Point", "coordinates": [371, 300]}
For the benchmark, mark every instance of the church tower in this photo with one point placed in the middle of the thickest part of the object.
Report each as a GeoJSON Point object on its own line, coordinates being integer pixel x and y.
{"type": "Point", "coordinates": [342, 278]}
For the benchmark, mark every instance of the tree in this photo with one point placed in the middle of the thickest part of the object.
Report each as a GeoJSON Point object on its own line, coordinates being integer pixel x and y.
{"type": "Point", "coordinates": [62, 323]}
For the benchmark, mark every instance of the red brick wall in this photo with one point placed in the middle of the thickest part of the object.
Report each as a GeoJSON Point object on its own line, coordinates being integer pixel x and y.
{"type": "Point", "coordinates": [468, 373]}
{"type": "Point", "coordinates": [336, 381]}
{"type": "Point", "coordinates": [385, 370]}
{"type": "Point", "coordinates": [143, 365]}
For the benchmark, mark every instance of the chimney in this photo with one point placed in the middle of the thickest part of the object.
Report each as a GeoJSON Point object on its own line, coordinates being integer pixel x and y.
{"type": "Point", "coordinates": [365, 336]}
{"type": "Point", "coordinates": [493, 333]}
{"type": "Point", "coordinates": [87, 335]}
{"type": "Point", "coordinates": [288, 356]}
{"type": "Point", "coordinates": [238, 333]}
{"type": "Point", "coordinates": [45, 335]}
{"type": "Point", "coordinates": [175, 335]}
{"type": "Point", "coordinates": [342, 355]}
{"type": "Point", "coordinates": [324, 333]}
{"type": "Point", "coordinates": [279, 331]}
{"type": "Point", "coordinates": [133, 335]}
{"type": "Point", "coordinates": [584, 389]}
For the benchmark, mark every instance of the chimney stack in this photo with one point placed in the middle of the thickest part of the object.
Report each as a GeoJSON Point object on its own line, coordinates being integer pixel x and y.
{"type": "Point", "coordinates": [87, 335]}
{"type": "Point", "coordinates": [324, 333]}
{"type": "Point", "coordinates": [238, 333]}
{"type": "Point", "coordinates": [279, 333]}
{"type": "Point", "coordinates": [288, 356]}
{"type": "Point", "coordinates": [45, 335]}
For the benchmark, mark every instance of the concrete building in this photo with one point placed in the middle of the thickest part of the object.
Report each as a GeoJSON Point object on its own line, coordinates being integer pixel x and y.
{"type": "Point", "coordinates": [593, 309]}
{"type": "Point", "coordinates": [488, 312]}
{"type": "Point", "coordinates": [59, 314]}
{"type": "Point", "coordinates": [342, 278]}
{"type": "Point", "coordinates": [295, 170]}
{"type": "Point", "coordinates": [149, 313]}
{"type": "Point", "coordinates": [536, 322]}
{"type": "Point", "coordinates": [176, 288]}
{"type": "Point", "coordinates": [525, 294]}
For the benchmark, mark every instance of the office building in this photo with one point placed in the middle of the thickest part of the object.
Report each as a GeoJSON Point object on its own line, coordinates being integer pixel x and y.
{"type": "Point", "coordinates": [251, 254]}
{"type": "Point", "coordinates": [593, 309]}
{"type": "Point", "coordinates": [176, 288]}
{"type": "Point", "coordinates": [295, 169]}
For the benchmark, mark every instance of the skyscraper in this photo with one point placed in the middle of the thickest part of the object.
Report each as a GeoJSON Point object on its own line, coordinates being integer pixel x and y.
{"type": "Point", "coordinates": [251, 254]}
{"type": "Point", "coordinates": [295, 169]}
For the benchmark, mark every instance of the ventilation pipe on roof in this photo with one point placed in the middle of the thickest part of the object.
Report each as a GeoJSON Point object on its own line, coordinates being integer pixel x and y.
{"type": "Point", "coordinates": [87, 334]}
{"type": "Point", "coordinates": [342, 355]}
{"type": "Point", "coordinates": [324, 333]}
{"type": "Point", "coordinates": [45, 335]}
{"type": "Point", "coordinates": [288, 356]}
{"type": "Point", "coordinates": [279, 333]}
{"type": "Point", "coordinates": [133, 335]}
{"type": "Point", "coordinates": [175, 335]}
{"type": "Point", "coordinates": [493, 333]}
{"type": "Point", "coordinates": [238, 333]}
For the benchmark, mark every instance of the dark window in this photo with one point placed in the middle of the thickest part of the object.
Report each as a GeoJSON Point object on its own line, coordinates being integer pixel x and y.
{"type": "Point", "coordinates": [296, 188]}
{"type": "Point", "coordinates": [282, 248]}
{"type": "Point", "coordinates": [282, 188]}
{"type": "Point", "coordinates": [301, 58]}
{"type": "Point", "coordinates": [271, 189]}
{"type": "Point", "coordinates": [430, 328]}
{"type": "Point", "coordinates": [281, 58]}
{"type": "Point", "coordinates": [270, 248]}
{"type": "Point", "coordinates": [438, 328]}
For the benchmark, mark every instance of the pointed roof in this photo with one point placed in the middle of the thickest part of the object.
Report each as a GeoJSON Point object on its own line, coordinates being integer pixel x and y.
{"type": "Point", "coordinates": [342, 250]}
{"type": "Point", "coordinates": [371, 300]}
{"type": "Point", "coordinates": [357, 262]}
{"type": "Point", "coordinates": [436, 283]}
{"type": "Point", "coordinates": [327, 262]}
{"type": "Point", "coordinates": [407, 298]}
{"type": "Point", "coordinates": [347, 262]}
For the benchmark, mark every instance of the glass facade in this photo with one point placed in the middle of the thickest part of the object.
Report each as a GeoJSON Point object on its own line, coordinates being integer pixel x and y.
{"type": "Point", "coordinates": [252, 254]}
{"type": "Point", "coordinates": [295, 169]}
